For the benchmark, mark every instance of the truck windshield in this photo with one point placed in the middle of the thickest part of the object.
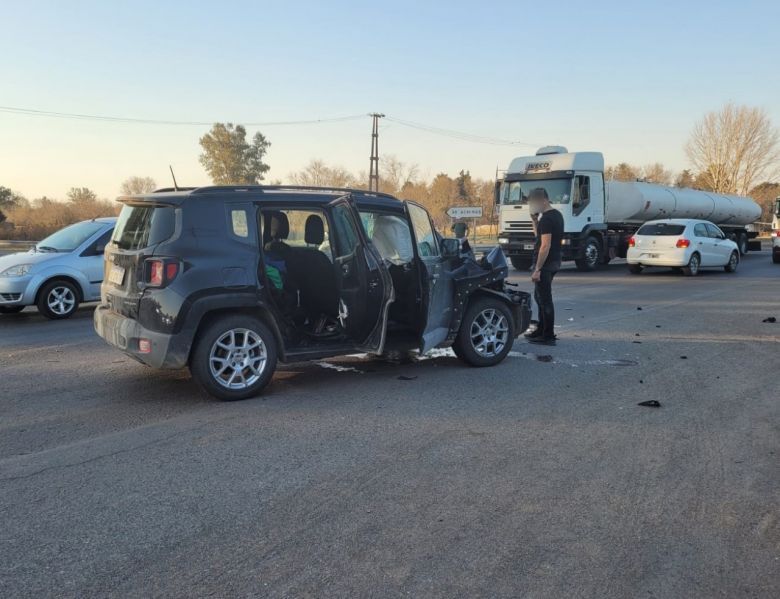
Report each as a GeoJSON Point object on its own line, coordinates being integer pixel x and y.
{"type": "Point", "coordinates": [516, 192]}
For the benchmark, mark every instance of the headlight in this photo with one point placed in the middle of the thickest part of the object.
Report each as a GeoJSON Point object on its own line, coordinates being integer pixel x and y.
{"type": "Point", "coordinates": [16, 271]}
{"type": "Point", "coordinates": [503, 240]}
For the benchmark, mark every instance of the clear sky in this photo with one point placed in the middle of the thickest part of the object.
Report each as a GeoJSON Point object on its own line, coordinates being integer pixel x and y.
{"type": "Point", "coordinates": [625, 78]}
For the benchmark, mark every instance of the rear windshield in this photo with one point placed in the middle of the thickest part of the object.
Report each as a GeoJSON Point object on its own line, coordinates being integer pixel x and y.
{"type": "Point", "coordinates": [661, 229]}
{"type": "Point", "coordinates": [139, 227]}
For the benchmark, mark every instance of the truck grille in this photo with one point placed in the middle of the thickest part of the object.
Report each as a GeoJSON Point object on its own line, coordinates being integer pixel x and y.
{"type": "Point", "coordinates": [10, 297]}
{"type": "Point", "coordinates": [518, 225]}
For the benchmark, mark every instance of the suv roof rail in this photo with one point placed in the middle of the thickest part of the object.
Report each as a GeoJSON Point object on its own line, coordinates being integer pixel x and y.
{"type": "Point", "coordinates": [168, 189]}
{"type": "Point", "coordinates": [263, 188]}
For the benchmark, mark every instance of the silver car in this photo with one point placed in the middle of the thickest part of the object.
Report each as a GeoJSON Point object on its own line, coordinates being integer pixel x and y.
{"type": "Point", "coordinates": [59, 273]}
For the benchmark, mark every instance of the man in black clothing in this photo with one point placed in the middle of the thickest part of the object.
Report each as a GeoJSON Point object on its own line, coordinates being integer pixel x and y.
{"type": "Point", "coordinates": [548, 228]}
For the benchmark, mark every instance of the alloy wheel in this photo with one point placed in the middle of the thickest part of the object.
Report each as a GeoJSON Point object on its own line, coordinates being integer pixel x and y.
{"type": "Point", "coordinates": [61, 300]}
{"type": "Point", "coordinates": [238, 358]}
{"type": "Point", "coordinates": [489, 333]}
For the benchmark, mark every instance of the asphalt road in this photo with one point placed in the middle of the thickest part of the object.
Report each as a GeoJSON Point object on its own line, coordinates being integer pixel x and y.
{"type": "Point", "coordinates": [530, 479]}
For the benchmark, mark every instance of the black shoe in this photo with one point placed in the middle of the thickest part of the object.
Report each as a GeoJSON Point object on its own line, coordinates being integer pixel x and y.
{"type": "Point", "coordinates": [543, 340]}
{"type": "Point", "coordinates": [535, 335]}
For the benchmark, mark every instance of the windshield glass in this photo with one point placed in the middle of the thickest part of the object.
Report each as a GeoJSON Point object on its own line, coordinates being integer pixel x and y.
{"type": "Point", "coordinates": [69, 238]}
{"type": "Point", "coordinates": [516, 192]}
{"type": "Point", "coordinates": [139, 227]}
{"type": "Point", "coordinates": [661, 229]}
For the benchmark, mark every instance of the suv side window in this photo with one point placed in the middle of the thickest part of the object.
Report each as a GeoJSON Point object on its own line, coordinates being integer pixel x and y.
{"type": "Point", "coordinates": [240, 221]}
{"type": "Point", "coordinates": [346, 231]}
{"type": "Point", "coordinates": [427, 244]}
{"type": "Point", "coordinates": [700, 230]}
{"type": "Point", "coordinates": [714, 232]}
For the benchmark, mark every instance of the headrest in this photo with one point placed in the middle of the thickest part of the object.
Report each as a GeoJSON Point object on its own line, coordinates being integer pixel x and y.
{"type": "Point", "coordinates": [315, 230]}
{"type": "Point", "coordinates": [282, 226]}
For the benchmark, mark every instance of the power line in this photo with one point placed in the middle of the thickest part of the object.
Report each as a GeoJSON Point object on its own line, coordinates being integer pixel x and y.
{"type": "Point", "coordinates": [137, 121]}
{"type": "Point", "coordinates": [463, 136]}
{"type": "Point", "coordinates": [451, 133]}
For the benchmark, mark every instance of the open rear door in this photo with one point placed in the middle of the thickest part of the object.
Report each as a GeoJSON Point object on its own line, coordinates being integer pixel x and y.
{"type": "Point", "coordinates": [365, 286]}
{"type": "Point", "coordinates": [436, 280]}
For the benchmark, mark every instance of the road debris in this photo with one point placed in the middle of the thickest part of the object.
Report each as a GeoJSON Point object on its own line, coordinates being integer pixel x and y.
{"type": "Point", "coordinates": [650, 403]}
{"type": "Point", "coordinates": [404, 377]}
{"type": "Point", "coordinates": [771, 319]}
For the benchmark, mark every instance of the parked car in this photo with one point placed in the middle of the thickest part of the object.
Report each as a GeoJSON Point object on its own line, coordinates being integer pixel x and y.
{"type": "Point", "coordinates": [229, 280]}
{"type": "Point", "coordinates": [59, 273]}
{"type": "Point", "coordinates": [686, 244]}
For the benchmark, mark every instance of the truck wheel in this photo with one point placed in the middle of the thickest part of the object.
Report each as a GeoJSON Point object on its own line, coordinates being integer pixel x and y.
{"type": "Point", "coordinates": [733, 262]}
{"type": "Point", "coordinates": [693, 266]}
{"type": "Point", "coordinates": [591, 255]}
{"type": "Point", "coordinates": [486, 334]}
{"type": "Point", "coordinates": [11, 309]}
{"type": "Point", "coordinates": [742, 244]}
{"type": "Point", "coordinates": [58, 299]}
{"type": "Point", "coordinates": [520, 263]}
{"type": "Point", "coordinates": [234, 358]}
{"type": "Point", "coordinates": [635, 269]}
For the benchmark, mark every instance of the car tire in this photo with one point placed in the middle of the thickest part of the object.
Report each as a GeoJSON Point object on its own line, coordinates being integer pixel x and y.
{"type": "Point", "coordinates": [591, 257]}
{"type": "Point", "coordinates": [11, 309]}
{"type": "Point", "coordinates": [58, 299]}
{"type": "Point", "coordinates": [733, 262]}
{"type": "Point", "coordinates": [635, 269]}
{"type": "Point", "coordinates": [521, 264]}
{"type": "Point", "coordinates": [694, 264]}
{"type": "Point", "coordinates": [486, 334]}
{"type": "Point", "coordinates": [230, 346]}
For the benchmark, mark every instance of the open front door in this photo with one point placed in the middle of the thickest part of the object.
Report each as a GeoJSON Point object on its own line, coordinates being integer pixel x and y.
{"type": "Point", "coordinates": [436, 281]}
{"type": "Point", "coordinates": [365, 287]}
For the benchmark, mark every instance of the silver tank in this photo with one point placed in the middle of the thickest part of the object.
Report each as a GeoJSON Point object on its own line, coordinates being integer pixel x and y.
{"type": "Point", "coordinates": [636, 202]}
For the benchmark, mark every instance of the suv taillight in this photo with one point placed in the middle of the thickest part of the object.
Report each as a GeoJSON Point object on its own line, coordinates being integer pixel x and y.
{"type": "Point", "coordinates": [631, 242]}
{"type": "Point", "coordinates": [683, 243]}
{"type": "Point", "coordinates": [160, 272]}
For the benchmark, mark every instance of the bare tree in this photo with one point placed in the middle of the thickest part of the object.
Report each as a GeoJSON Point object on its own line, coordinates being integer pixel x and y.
{"type": "Point", "coordinates": [394, 174]}
{"type": "Point", "coordinates": [319, 174]}
{"type": "Point", "coordinates": [137, 186]}
{"type": "Point", "coordinates": [656, 173]}
{"type": "Point", "coordinates": [622, 172]}
{"type": "Point", "coordinates": [734, 148]}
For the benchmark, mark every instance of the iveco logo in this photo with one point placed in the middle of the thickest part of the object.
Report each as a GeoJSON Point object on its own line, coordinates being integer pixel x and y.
{"type": "Point", "coordinates": [537, 166]}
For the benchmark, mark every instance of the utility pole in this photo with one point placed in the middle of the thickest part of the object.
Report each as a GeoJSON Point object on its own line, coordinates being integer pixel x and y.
{"type": "Point", "coordinates": [373, 176]}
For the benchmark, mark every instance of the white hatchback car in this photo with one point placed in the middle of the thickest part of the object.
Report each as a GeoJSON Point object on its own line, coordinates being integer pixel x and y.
{"type": "Point", "coordinates": [686, 244]}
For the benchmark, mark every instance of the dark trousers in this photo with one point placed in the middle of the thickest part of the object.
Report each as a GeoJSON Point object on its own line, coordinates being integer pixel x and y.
{"type": "Point", "coordinates": [544, 299]}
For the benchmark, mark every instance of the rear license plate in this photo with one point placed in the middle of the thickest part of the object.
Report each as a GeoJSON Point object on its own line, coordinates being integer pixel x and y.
{"type": "Point", "coordinates": [116, 275]}
{"type": "Point", "coordinates": [528, 246]}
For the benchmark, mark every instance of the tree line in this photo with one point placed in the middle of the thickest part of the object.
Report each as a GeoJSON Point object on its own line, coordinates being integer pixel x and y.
{"type": "Point", "coordinates": [735, 150]}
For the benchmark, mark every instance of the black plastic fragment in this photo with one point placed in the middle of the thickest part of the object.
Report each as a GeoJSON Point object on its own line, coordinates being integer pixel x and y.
{"type": "Point", "coordinates": [771, 319]}
{"type": "Point", "coordinates": [404, 377]}
{"type": "Point", "coordinates": [650, 403]}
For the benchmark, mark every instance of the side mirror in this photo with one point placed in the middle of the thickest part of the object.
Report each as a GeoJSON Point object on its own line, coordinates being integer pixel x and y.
{"type": "Point", "coordinates": [450, 248]}
{"type": "Point", "coordinates": [497, 193]}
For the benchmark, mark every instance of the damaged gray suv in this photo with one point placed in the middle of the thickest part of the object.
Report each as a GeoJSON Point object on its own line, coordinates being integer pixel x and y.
{"type": "Point", "coordinates": [228, 281]}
